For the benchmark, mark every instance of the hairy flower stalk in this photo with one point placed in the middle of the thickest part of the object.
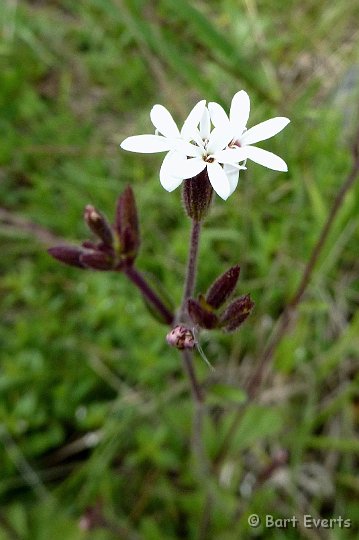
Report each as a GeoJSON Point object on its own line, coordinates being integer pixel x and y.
{"type": "Point", "coordinates": [137, 279]}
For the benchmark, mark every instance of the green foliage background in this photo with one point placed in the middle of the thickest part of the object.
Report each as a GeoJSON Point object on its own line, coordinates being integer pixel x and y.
{"type": "Point", "coordinates": [94, 407]}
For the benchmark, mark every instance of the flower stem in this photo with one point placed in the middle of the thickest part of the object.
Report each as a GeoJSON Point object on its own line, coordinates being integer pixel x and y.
{"type": "Point", "coordinates": [187, 356]}
{"type": "Point", "coordinates": [198, 416]}
{"type": "Point", "coordinates": [197, 392]}
{"type": "Point", "coordinates": [191, 266]}
{"type": "Point", "coordinates": [137, 279]}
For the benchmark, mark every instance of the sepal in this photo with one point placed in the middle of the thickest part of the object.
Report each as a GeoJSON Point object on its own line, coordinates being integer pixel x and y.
{"type": "Point", "coordinates": [126, 226]}
{"type": "Point", "coordinates": [201, 316]}
{"type": "Point", "coordinates": [197, 196]}
{"type": "Point", "coordinates": [70, 255]}
{"type": "Point", "coordinates": [98, 224]}
{"type": "Point", "coordinates": [236, 313]}
{"type": "Point", "coordinates": [223, 287]}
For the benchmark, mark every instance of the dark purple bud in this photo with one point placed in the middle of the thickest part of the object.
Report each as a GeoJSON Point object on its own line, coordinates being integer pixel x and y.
{"type": "Point", "coordinates": [98, 224]}
{"type": "Point", "coordinates": [223, 287]}
{"type": "Point", "coordinates": [200, 315]}
{"type": "Point", "coordinates": [69, 255]}
{"type": "Point", "coordinates": [97, 260]}
{"type": "Point", "coordinates": [197, 195]}
{"type": "Point", "coordinates": [127, 225]}
{"type": "Point", "coordinates": [89, 245]}
{"type": "Point", "coordinates": [236, 313]}
{"type": "Point", "coordinates": [181, 338]}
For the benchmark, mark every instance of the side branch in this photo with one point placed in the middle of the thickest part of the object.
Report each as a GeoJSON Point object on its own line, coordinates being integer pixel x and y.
{"type": "Point", "coordinates": [286, 318]}
{"type": "Point", "coordinates": [137, 279]}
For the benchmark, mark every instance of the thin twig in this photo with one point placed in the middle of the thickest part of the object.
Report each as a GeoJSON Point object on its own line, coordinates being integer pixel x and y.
{"type": "Point", "coordinates": [37, 231]}
{"type": "Point", "coordinates": [29, 475]}
{"type": "Point", "coordinates": [286, 318]}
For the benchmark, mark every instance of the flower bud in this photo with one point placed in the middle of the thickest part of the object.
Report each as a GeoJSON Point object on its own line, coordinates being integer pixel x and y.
{"type": "Point", "coordinates": [181, 338]}
{"type": "Point", "coordinates": [223, 287]}
{"type": "Point", "coordinates": [97, 260]}
{"type": "Point", "coordinates": [197, 195]}
{"type": "Point", "coordinates": [69, 255]}
{"type": "Point", "coordinates": [88, 244]}
{"type": "Point", "coordinates": [205, 318]}
{"type": "Point", "coordinates": [236, 313]}
{"type": "Point", "coordinates": [126, 226]}
{"type": "Point", "coordinates": [98, 224]}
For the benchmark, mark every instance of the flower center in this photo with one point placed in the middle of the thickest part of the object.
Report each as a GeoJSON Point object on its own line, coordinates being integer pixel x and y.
{"type": "Point", "coordinates": [234, 144]}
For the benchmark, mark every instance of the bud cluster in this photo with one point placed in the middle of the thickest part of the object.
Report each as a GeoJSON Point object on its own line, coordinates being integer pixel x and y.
{"type": "Point", "coordinates": [205, 311]}
{"type": "Point", "coordinates": [117, 246]}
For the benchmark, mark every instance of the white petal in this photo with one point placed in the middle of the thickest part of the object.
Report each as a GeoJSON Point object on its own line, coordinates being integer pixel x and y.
{"type": "Point", "coordinates": [232, 174]}
{"type": "Point", "coordinates": [231, 155]}
{"type": "Point", "coordinates": [264, 130]}
{"type": "Point", "coordinates": [163, 121]}
{"type": "Point", "coordinates": [197, 138]}
{"type": "Point", "coordinates": [189, 149]}
{"type": "Point", "coordinates": [147, 144]}
{"type": "Point", "coordinates": [218, 116]}
{"type": "Point", "coordinates": [205, 124]}
{"type": "Point", "coordinates": [265, 158]}
{"type": "Point", "coordinates": [169, 177]}
{"type": "Point", "coordinates": [239, 112]}
{"type": "Point", "coordinates": [218, 140]}
{"type": "Point", "coordinates": [192, 167]}
{"type": "Point", "coordinates": [219, 180]}
{"type": "Point", "coordinates": [192, 120]}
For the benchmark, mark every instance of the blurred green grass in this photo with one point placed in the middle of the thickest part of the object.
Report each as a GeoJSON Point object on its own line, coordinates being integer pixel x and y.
{"type": "Point", "coordinates": [93, 405]}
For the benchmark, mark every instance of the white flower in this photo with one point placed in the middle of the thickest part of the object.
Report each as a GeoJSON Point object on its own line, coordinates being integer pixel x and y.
{"type": "Point", "coordinates": [169, 139]}
{"type": "Point", "coordinates": [209, 150]}
{"type": "Point", "coordinates": [243, 139]}
{"type": "Point", "coordinates": [186, 159]}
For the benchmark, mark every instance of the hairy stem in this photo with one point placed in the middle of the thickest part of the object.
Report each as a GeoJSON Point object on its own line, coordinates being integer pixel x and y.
{"type": "Point", "coordinates": [191, 266]}
{"type": "Point", "coordinates": [203, 465]}
{"type": "Point", "coordinates": [198, 416]}
{"type": "Point", "coordinates": [196, 390]}
{"type": "Point", "coordinates": [137, 279]}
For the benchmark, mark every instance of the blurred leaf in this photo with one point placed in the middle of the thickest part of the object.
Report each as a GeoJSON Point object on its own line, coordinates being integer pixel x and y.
{"type": "Point", "coordinates": [222, 394]}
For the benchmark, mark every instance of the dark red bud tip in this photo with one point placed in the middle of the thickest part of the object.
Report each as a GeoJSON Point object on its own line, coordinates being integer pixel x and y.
{"type": "Point", "coordinates": [98, 224]}
{"type": "Point", "coordinates": [69, 255]}
{"type": "Point", "coordinates": [236, 313]}
{"type": "Point", "coordinates": [181, 337]}
{"type": "Point", "coordinates": [126, 224]}
{"type": "Point", "coordinates": [97, 260]}
{"type": "Point", "coordinates": [201, 316]}
{"type": "Point", "coordinates": [223, 287]}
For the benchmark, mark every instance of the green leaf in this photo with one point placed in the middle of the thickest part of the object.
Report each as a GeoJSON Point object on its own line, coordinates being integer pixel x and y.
{"type": "Point", "coordinates": [258, 423]}
{"type": "Point", "coordinates": [222, 393]}
{"type": "Point", "coordinates": [218, 45]}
